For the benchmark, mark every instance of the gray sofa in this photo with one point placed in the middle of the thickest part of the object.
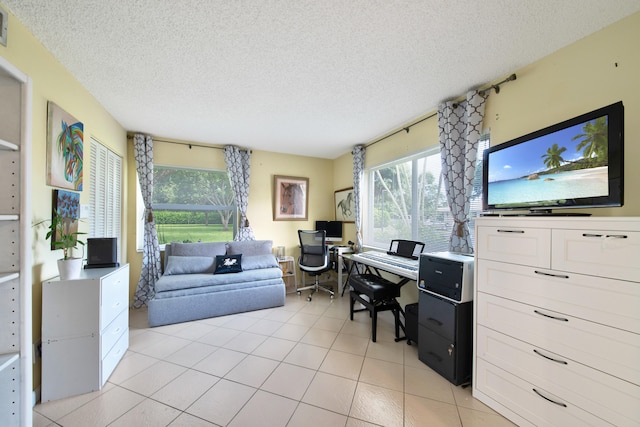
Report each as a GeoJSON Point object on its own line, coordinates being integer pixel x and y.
{"type": "Point", "coordinates": [199, 281]}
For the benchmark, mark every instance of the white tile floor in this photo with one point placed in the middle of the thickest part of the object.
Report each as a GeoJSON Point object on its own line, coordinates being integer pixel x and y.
{"type": "Point", "coordinates": [304, 364]}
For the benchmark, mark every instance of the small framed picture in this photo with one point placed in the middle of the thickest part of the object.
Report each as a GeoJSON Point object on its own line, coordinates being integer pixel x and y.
{"type": "Point", "coordinates": [344, 203]}
{"type": "Point", "coordinates": [290, 198]}
{"type": "Point", "coordinates": [67, 205]}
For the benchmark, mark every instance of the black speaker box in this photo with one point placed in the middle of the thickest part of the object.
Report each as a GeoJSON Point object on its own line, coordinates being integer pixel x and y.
{"type": "Point", "coordinates": [102, 252]}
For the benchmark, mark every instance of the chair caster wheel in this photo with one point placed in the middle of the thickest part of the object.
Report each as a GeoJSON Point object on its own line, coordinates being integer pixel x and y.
{"type": "Point", "coordinates": [331, 296]}
{"type": "Point", "coordinates": [308, 298]}
{"type": "Point", "coordinates": [299, 293]}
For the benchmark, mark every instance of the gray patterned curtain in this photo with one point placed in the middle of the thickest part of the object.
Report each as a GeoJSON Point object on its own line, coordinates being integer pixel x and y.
{"type": "Point", "coordinates": [460, 126]}
{"type": "Point", "coordinates": [358, 176]}
{"type": "Point", "coordinates": [143, 149]}
{"type": "Point", "coordinates": [239, 169]}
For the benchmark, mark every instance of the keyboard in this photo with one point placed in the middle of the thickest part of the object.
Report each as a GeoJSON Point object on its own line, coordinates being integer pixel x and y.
{"type": "Point", "coordinates": [395, 264]}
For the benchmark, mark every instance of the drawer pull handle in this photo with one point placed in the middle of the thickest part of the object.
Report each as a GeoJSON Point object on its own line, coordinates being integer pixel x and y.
{"type": "Point", "coordinates": [511, 231]}
{"type": "Point", "coordinates": [546, 398]}
{"type": "Point", "coordinates": [616, 236]}
{"type": "Point", "coordinates": [550, 358]}
{"type": "Point", "coordinates": [591, 235]}
{"type": "Point", "coordinates": [550, 316]}
{"type": "Point", "coordinates": [609, 236]}
{"type": "Point", "coordinates": [560, 276]}
{"type": "Point", "coordinates": [432, 320]}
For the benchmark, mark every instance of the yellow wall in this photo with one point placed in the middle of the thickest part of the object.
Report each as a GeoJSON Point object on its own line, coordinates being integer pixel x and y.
{"type": "Point", "coordinates": [51, 82]}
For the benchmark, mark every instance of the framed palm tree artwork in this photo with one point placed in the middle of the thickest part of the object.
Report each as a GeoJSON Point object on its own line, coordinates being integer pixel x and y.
{"type": "Point", "coordinates": [65, 144]}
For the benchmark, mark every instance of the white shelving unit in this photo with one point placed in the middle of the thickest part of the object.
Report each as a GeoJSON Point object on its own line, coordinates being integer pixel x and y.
{"type": "Point", "coordinates": [16, 385]}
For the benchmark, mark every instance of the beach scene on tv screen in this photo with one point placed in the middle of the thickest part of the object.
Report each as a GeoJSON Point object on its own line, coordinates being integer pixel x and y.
{"type": "Point", "coordinates": [567, 164]}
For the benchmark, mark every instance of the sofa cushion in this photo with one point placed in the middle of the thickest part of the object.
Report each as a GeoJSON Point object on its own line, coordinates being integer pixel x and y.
{"type": "Point", "coordinates": [188, 265]}
{"type": "Point", "coordinates": [228, 264]}
{"type": "Point", "coordinates": [250, 247]}
{"type": "Point", "coordinates": [210, 249]}
{"type": "Point", "coordinates": [186, 284]}
{"type": "Point", "coordinates": [256, 262]}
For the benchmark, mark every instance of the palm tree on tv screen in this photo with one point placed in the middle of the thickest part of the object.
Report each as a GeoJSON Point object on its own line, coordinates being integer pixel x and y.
{"type": "Point", "coordinates": [594, 139]}
{"type": "Point", "coordinates": [553, 156]}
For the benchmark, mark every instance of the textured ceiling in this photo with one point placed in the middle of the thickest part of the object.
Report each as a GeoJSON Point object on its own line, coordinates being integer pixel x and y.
{"type": "Point", "coordinates": [298, 76]}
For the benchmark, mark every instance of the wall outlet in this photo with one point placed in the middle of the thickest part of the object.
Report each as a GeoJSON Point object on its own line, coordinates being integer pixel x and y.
{"type": "Point", "coordinates": [84, 211]}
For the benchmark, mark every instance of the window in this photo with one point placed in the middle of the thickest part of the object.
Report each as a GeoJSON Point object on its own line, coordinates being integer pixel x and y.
{"type": "Point", "coordinates": [105, 211]}
{"type": "Point", "coordinates": [406, 200]}
{"type": "Point", "coordinates": [191, 205]}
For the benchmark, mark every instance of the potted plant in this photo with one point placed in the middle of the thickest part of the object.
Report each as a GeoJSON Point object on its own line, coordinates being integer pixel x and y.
{"type": "Point", "coordinates": [62, 238]}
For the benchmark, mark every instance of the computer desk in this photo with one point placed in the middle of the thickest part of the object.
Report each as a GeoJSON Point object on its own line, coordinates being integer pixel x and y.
{"type": "Point", "coordinates": [339, 252]}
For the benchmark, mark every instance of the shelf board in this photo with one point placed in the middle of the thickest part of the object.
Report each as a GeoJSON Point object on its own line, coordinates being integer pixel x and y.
{"type": "Point", "coordinates": [7, 359]}
{"type": "Point", "coordinates": [6, 145]}
{"type": "Point", "coordinates": [7, 277]}
{"type": "Point", "coordinates": [9, 217]}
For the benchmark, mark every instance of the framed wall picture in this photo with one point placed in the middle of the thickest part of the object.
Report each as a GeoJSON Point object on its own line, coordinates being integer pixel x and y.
{"type": "Point", "coordinates": [65, 141]}
{"type": "Point", "coordinates": [67, 205]}
{"type": "Point", "coordinates": [344, 203]}
{"type": "Point", "coordinates": [290, 198]}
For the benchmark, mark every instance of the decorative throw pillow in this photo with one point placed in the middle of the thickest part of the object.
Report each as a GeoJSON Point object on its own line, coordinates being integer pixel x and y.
{"type": "Point", "coordinates": [198, 249]}
{"type": "Point", "coordinates": [228, 264]}
{"type": "Point", "coordinates": [188, 265]}
{"type": "Point", "coordinates": [255, 262]}
{"type": "Point", "coordinates": [250, 247]}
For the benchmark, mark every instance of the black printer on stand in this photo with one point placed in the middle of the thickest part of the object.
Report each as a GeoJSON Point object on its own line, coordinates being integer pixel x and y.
{"type": "Point", "coordinates": [445, 314]}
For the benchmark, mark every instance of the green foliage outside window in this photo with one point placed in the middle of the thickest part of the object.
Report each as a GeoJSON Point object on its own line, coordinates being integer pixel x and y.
{"type": "Point", "coordinates": [192, 205]}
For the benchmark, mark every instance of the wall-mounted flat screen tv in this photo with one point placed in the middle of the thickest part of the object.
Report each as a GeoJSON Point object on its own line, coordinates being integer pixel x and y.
{"type": "Point", "coordinates": [578, 163]}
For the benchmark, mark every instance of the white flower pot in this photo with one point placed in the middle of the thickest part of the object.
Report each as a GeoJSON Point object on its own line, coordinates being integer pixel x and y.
{"type": "Point", "coordinates": [70, 269]}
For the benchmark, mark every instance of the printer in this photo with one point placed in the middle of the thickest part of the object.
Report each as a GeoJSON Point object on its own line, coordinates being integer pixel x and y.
{"type": "Point", "coordinates": [447, 274]}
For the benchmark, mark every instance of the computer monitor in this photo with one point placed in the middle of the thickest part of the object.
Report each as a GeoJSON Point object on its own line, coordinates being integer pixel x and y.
{"type": "Point", "coordinates": [333, 230]}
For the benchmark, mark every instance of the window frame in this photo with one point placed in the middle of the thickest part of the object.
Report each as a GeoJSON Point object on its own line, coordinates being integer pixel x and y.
{"type": "Point", "coordinates": [369, 239]}
{"type": "Point", "coordinates": [177, 207]}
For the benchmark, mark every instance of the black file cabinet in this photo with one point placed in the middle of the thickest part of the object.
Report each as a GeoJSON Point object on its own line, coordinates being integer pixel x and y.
{"type": "Point", "coordinates": [445, 336]}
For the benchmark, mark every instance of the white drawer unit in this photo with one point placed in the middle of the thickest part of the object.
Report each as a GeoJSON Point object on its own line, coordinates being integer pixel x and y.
{"type": "Point", "coordinates": [85, 331]}
{"type": "Point", "coordinates": [557, 319]}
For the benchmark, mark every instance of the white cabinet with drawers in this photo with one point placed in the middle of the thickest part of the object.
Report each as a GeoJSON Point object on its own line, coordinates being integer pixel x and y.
{"type": "Point", "coordinates": [85, 331]}
{"type": "Point", "coordinates": [557, 319]}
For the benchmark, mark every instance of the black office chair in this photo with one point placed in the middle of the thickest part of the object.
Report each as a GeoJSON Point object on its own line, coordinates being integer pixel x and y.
{"type": "Point", "coordinates": [314, 259]}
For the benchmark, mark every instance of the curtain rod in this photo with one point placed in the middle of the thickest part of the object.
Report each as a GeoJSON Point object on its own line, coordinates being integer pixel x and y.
{"type": "Point", "coordinates": [496, 86]}
{"type": "Point", "coordinates": [406, 129]}
{"type": "Point", "coordinates": [483, 92]}
{"type": "Point", "coordinates": [188, 144]}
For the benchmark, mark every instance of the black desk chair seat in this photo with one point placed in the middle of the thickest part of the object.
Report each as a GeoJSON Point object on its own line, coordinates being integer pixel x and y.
{"type": "Point", "coordinates": [376, 294]}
